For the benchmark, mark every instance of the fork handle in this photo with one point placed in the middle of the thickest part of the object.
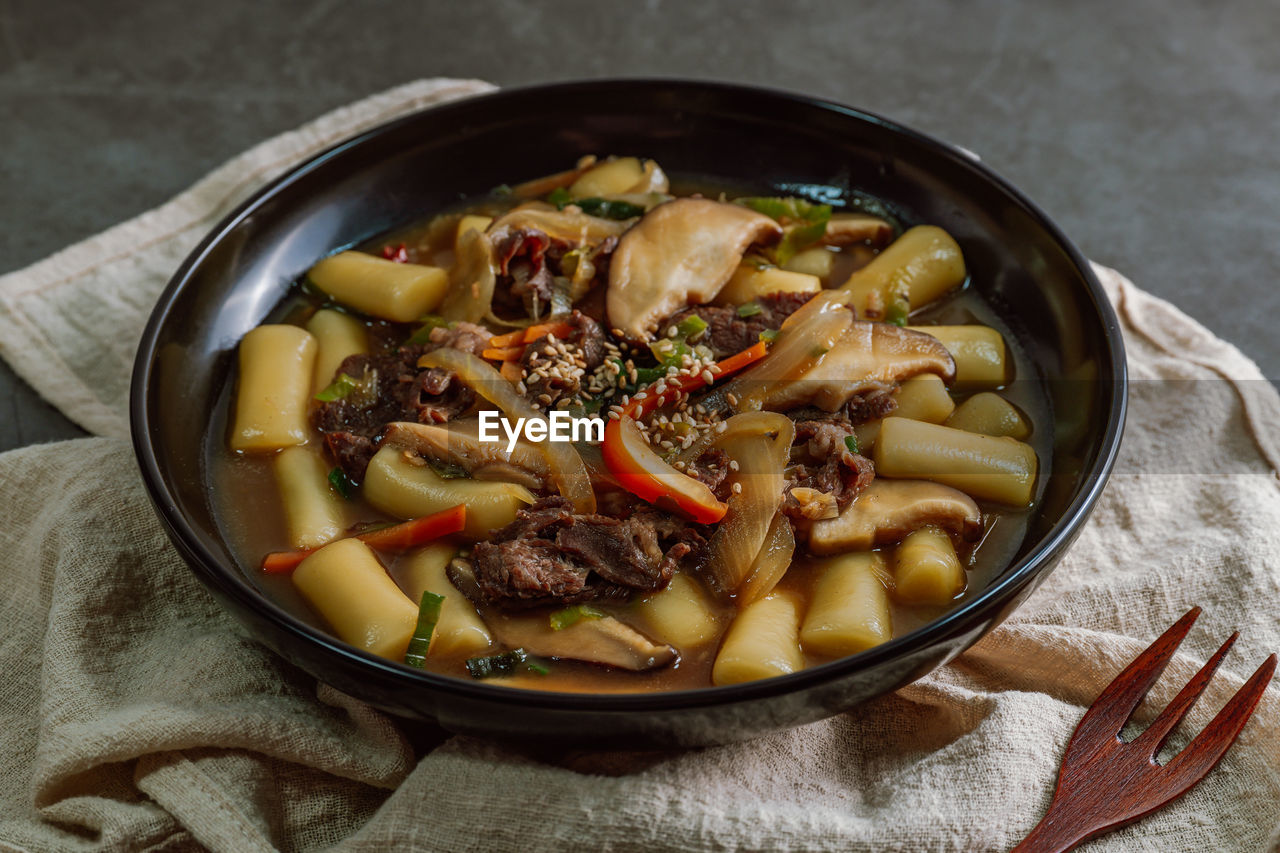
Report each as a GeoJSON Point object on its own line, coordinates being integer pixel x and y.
{"type": "Point", "coordinates": [1053, 834]}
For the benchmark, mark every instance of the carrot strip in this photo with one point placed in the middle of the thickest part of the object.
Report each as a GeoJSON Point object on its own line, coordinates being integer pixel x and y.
{"type": "Point", "coordinates": [398, 537]}
{"type": "Point", "coordinates": [560, 330]}
{"type": "Point", "coordinates": [413, 533]}
{"type": "Point", "coordinates": [531, 334]}
{"type": "Point", "coordinates": [678, 385]}
{"type": "Point", "coordinates": [509, 339]}
{"type": "Point", "coordinates": [503, 353]}
{"type": "Point", "coordinates": [511, 371]}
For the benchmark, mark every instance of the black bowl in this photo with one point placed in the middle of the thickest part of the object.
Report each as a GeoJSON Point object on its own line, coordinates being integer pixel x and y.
{"type": "Point", "coordinates": [399, 172]}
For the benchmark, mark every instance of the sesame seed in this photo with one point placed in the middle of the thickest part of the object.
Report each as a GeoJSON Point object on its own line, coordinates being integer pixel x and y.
{"type": "Point", "coordinates": [732, 398]}
{"type": "Point", "coordinates": [737, 488]}
{"type": "Point", "coordinates": [708, 377]}
{"type": "Point", "coordinates": [733, 465]}
{"type": "Point", "coordinates": [721, 427]}
{"type": "Point", "coordinates": [672, 331]}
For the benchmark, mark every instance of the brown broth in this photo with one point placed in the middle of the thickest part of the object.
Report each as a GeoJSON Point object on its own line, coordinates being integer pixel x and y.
{"type": "Point", "coordinates": [248, 510]}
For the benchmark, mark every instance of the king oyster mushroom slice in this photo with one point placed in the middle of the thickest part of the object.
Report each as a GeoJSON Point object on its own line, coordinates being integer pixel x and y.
{"type": "Point", "coordinates": [868, 356]}
{"type": "Point", "coordinates": [607, 640]}
{"type": "Point", "coordinates": [570, 226]}
{"type": "Point", "coordinates": [459, 444]}
{"type": "Point", "coordinates": [845, 229]}
{"type": "Point", "coordinates": [680, 253]}
{"type": "Point", "coordinates": [887, 510]}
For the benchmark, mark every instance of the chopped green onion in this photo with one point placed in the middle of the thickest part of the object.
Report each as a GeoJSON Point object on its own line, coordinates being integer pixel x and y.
{"type": "Point", "coordinates": [341, 483]}
{"type": "Point", "coordinates": [340, 388]}
{"type": "Point", "coordinates": [691, 327]}
{"type": "Point", "coordinates": [899, 307]}
{"type": "Point", "coordinates": [770, 335]}
{"type": "Point", "coordinates": [506, 663]}
{"type": "Point", "coordinates": [609, 209]}
{"type": "Point", "coordinates": [422, 335]}
{"type": "Point", "coordinates": [562, 619]}
{"type": "Point", "coordinates": [649, 375]}
{"type": "Point", "coordinates": [428, 615]}
{"type": "Point", "coordinates": [559, 197]}
{"type": "Point", "coordinates": [750, 309]}
{"type": "Point", "coordinates": [582, 408]}
{"type": "Point", "coordinates": [818, 352]}
{"type": "Point", "coordinates": [805, 222]}
{"type": "Point", "coordinates": [538, 668]}
{"type": "Point", "coordinates": [668, 352]}
{"type": "Point", "coordinates": [851, 442]}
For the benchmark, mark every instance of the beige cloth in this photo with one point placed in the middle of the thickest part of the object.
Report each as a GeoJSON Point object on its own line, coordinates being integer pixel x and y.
{"type": "Point", "coordinates": [138, 716]}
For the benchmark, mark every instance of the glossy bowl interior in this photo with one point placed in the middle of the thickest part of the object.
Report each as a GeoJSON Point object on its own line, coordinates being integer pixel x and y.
{"type": "Point", "coordinates": [398, 173]}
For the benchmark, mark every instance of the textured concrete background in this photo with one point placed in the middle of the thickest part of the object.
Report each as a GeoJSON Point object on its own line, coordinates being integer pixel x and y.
{"type": "Point", "coordinates": [1150, 130]}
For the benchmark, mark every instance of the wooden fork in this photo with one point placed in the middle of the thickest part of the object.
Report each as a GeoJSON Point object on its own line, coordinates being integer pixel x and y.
{"type": "Point", "coordinates": [1106, 783]}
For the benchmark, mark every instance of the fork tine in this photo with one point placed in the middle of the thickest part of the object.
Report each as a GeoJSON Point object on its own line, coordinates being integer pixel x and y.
{"type": "Point", "coordinates": [1158, 732]}
{"type": "Point", "coordinates": [1210, 745]}
{"type": "Point", "coordinates": [1111, 710]}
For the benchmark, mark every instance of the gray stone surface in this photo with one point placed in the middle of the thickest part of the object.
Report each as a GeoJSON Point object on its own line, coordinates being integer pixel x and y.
{"type": "Point", "coordinates": [1147, 129]}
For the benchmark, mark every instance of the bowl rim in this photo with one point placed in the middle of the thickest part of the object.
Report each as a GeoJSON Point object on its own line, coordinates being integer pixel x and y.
{"type": "Point", "coordinates": [228, 581]}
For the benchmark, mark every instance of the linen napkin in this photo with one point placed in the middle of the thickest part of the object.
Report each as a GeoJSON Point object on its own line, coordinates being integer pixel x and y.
{"type": "Point", "coordinates": [137, 715]}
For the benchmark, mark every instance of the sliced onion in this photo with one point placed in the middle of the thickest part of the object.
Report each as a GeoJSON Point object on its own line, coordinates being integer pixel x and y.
{"type": "Point", "coordinates": [797, 349]}
{"type": "Point", "coordinates": [747, 423]}
{"type": "Point", "coordinates": [761, 456]}
{"type": "Point", "coordinates": [567, 469]}
{"type": "Point", "coordinates": [471, 281]}
{"type": "Point", "coordinates": [771, 563]}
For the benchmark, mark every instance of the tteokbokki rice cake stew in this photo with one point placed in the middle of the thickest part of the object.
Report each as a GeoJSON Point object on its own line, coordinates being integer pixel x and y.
{"type": "Point", "coordinates": [603, 432]}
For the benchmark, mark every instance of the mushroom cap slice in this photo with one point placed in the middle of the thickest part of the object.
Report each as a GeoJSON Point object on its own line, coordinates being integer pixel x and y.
{"type": "Point", "coordinates": [459, 444]}
{"type": "Point", "coordinates": [607, 640]}
{"type": "Point", "coordinates": [679, 253]}
{"type": "Point", "coordinates": [867, 356]}
{"type": "Point", "coordinates": [887, 510]}
{"type": "Point", "coordinates": [563, 226]}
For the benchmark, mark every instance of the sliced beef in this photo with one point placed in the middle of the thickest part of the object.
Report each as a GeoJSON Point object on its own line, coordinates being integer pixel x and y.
{"type": "Point", "coordinates": [728, 332]}
{"type": "Point", "coordinates": [870, 406]}
{"type": "Point", "coordinates": [461, 335]}
{"type": "Point", "coordinates": [823, 462]}
{"type": "Point", "coordinates": [393, 389]}
{"type": "Point", "coordinates": [561, 376]}
{"type": "Point", "coordinates": [550, 555]}
{"type": "Point", "coordinates": [529, 261]}
{"type": "Point", "coordinates": [522, 269]}
{"type": "Point", "coordinates": [528, 569]}
{"type": "Point", "coordinates": [712, 469]}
